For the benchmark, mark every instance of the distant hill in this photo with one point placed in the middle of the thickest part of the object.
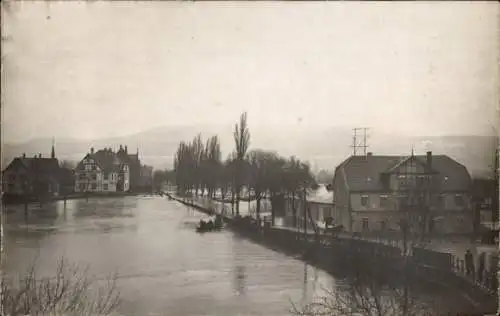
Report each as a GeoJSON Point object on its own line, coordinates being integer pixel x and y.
{"type": "Point", "coordinates": [325, 148]}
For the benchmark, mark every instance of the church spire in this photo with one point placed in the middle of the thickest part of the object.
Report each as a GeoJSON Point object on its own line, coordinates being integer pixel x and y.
{"type": "Point", "coordinates": [53, 152]}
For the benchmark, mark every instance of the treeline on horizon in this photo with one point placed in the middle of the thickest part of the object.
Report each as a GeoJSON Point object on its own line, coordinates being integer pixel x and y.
{"type": "Point", "coordinates": [199, 169]}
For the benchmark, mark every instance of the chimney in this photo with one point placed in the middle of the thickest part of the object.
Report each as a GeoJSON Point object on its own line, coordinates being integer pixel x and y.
{"type": "Point", "coordinates": [24, 155]}
{"type": "Point", "coordinates": [429, 159]}
{"type": "Point", "coordinates": [92, 150]}
{"type": "Point", "coordinates": [126, 150]}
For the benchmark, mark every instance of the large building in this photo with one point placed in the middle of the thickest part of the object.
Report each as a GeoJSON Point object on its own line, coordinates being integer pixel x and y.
{"type": "Point", "coordinates": [134, 164]}
{"type": "Point", "coordinates": [376, 193]}
{"type": "Point", "coordinates": [32, 176]}
{"type": "Point", "coordinates": [102, 171]}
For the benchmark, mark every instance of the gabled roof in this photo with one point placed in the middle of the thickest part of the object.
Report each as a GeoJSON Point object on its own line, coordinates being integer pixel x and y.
{"type": "Point", "coordinates": [363, 172]}
{"type": "Point", "coordinates": [38, 165]}
{"type": "Point", "coordinates": [408, 159]}
{"type": "Point", "coordinates": [106, 159]}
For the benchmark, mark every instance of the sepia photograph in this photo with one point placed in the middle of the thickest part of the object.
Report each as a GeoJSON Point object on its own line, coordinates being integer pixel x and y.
{"type": "Point", "coordinates": [228, 158]}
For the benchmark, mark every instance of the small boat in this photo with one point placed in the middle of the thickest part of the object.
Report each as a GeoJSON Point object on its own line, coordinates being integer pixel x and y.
{"type": "Point", "coordinates": [213, 223]}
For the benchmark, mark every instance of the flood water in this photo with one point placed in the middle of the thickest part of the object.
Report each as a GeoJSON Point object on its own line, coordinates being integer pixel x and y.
{"type": "Point", "coordinates": [164, 266]}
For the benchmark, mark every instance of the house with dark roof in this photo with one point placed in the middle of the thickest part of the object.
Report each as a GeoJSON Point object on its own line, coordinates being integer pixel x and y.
{"type": "Point", "coordinates": [431, 193]}
{"type": "Point", "coordinates": [102, 171]}
{"type": "Point", "coordinates": [36, 176]}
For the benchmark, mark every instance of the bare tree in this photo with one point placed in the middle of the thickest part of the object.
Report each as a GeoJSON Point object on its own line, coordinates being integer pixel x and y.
{"type": "Point", "coordinates": [242, 142]}
{"type": "Point", "coordinates": [260, 168]}
{"type": "Point", "coordinates": [70, 291]}
{"type": "Point", "coordinates": [371, 290]}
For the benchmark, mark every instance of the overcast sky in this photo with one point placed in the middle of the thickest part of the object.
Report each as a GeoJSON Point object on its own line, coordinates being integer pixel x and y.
{"type": "Point", "coordinates": [102, 69]}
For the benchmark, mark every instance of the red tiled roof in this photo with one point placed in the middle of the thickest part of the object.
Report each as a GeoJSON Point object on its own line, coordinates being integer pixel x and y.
{"type": "Point", "coordinates": [363, 172]}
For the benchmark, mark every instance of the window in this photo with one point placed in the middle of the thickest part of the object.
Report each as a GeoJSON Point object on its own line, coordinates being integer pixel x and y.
{"type": "Point", "coordinates": [383, 225]}
{"type": "Point", "coordinates": [364, 200]}
{"type": "Point", "coordinates": [82, 176]}
{"type": "Point", "coordinates": [365, 223]}
{"type": "Point", "coordinates": [94, 176]}
{"type": "Point", "coordinates": [384, 201]}
{"type": "Point", "coordinates": [94, 186]}
{"type": "Point", "coordinates": [105, 187]}
{"type": "Point", "coordinates": [105, 176]}
{"type": "Point", "coordinates": [459, 201]}
{"type": "Point", "coordinates": [12, 177]}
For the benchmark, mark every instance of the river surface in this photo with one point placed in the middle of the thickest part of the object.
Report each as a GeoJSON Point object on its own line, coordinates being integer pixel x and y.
{"type": "Point", "coordinates": [164, 267]}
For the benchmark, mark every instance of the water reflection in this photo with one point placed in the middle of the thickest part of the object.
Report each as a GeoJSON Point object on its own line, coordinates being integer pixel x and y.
{"type": "Point", "coordinates": [104, 208]}
{"type": "Point", "coordinates": [164, 266]}
{"type": "Point", "coordinates": [304, 288]}
{"type": "Point", "coordinates": [239, 280]}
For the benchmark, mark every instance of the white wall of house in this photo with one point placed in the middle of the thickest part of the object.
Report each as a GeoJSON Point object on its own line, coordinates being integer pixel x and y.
{"type": "Point", "coordinates": [371, 201]}
{"type": "Point", "coordinates": [100, 184]}
{"type": "Point", "coordinates": [109, 181]}
{"type": "Point", "coordinates": [126, 176]}
{"type": "Point", "coordinates": [368, 213]}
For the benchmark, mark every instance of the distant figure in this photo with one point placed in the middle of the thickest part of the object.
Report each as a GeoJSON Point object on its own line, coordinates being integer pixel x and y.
{"type": "Point", "coordinates": [469, 263]}
{"type": "Point", "coordinates": [480, 269]}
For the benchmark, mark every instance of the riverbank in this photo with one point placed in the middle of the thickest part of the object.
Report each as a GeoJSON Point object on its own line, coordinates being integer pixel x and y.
{"type": "Point", "coordinates": [332, 253]}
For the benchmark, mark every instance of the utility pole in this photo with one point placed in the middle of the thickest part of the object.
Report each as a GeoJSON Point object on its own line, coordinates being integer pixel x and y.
{"type": "Point", "coordinates": [355, 142]}
{"type": "Point", "coordinates": [305, 212]}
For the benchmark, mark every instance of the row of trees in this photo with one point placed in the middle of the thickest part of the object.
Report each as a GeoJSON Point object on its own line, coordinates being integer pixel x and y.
{"type": "Point", "coordinates": [199, 170]}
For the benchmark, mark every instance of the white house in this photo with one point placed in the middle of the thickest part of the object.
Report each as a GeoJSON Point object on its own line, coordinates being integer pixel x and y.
{"type": "Point", "coordinates": [102, 171]}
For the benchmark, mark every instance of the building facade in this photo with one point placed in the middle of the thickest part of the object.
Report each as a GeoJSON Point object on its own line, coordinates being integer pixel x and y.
{"type": "Point", "coordinates": [102, 171]}
{"type": "Point", "coordinates": [38, 176]}
{"type": "Point", "coordinates": [319, 206]}
{"type": "Point", "coordinates": [378, 193]}
{"type": "Point", "coordinates": [134, 165]}
{"type": "Point", "coordinates": [31, 176]}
